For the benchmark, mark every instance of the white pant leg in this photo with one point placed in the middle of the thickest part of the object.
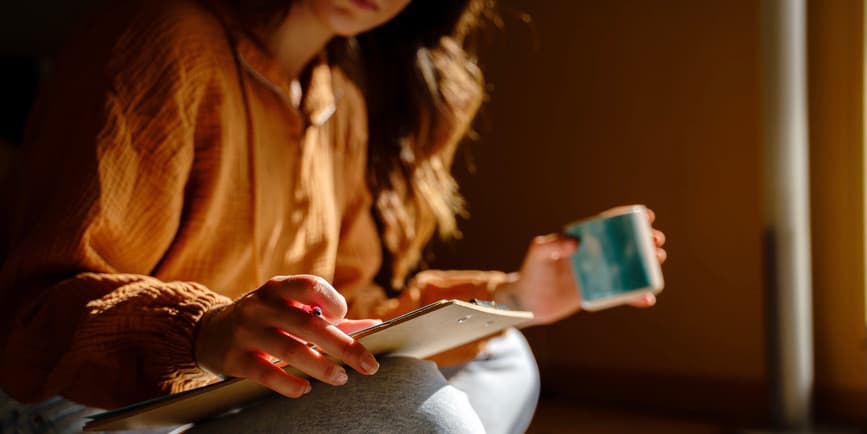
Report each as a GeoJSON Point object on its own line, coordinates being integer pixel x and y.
{"type": "Point", "coordinates": [502, 383]}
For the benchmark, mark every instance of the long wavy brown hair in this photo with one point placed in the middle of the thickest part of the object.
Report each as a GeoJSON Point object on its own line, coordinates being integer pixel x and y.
{"type": "Point", "coordinates": [422, 87]}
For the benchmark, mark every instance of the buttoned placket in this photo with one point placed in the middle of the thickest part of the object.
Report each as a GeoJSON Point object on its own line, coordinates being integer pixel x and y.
{"type": "Point", "coordinates": [305, 123]}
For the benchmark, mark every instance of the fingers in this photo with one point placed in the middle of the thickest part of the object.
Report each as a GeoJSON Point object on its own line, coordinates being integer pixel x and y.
{"type": "Point", "coordinates": [644, 300]}
{"type": "Point", "coordinates": [275, 321]}
{"type": "Point", "coordinates": [659, 240]}
{"type": "Point", "coordinates": [258, 368]}
{"type": "Point", "coordinates": [658, 237]}
{"type": "Point", "coordinates": [552, 247]}
{"type": "Point", "coordinates": [316, 330]}
{"type": "Point", "coordinates": [349, 326]}
{"type": "Point", "coordinates": [239, 339]}
{"type": "Point", "coordinates": [309, 290]}
{"type": "Point", "coordinates": [300, 356]}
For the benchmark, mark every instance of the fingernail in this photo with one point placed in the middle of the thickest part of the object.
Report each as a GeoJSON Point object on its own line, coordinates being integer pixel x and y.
{"type": "Point", "coordinates": [308, 389]}
{"type": "Point", "coordinates": [340, 378]}
{"type": "Point", "coordinates": [369, 364]}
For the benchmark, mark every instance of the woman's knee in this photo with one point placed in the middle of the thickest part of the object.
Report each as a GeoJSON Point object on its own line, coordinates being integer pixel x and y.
{"type": "Point", "coordinates": [422, 400]}
{"type": "Point", "coordinates": [406, 395]}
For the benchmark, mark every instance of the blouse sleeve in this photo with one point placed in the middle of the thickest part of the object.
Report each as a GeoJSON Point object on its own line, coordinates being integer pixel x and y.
{"type": "Point", "coordinates": [98, 200]}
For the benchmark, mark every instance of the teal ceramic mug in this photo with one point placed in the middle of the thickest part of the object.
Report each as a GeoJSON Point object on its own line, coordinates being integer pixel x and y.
{"type": "Point", "coordinates": [616, 258]}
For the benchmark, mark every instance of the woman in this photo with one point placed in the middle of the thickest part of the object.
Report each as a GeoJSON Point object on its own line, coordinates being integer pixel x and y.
{"type": "Point", "coordinates": [200, 173]}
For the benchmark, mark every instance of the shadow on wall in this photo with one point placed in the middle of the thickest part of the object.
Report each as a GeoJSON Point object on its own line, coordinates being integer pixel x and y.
{"type": "Point", "coordinates": [19, 80]}
{"type": "Point", "coordinates": [6, 151]}
{"type": "Point", "coordinates": [37, 27]}
{"type": "Point", "coordinates": [31, 33]}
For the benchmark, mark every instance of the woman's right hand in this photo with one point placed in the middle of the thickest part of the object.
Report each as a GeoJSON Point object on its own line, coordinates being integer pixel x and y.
{"type": "Point", "coordinates": [240, 339]}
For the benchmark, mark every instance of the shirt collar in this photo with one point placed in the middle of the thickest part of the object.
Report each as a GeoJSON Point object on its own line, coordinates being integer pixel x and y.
{"type": "Point", "coordinates": [319, 102]}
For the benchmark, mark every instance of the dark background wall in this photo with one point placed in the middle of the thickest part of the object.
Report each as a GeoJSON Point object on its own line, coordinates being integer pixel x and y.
{"type": "Point", "coordinates": [597, 104]}
{"type": "Point", "coordinates": [30, 34]}
{"type": "Point", "coordinates": [38, 27]}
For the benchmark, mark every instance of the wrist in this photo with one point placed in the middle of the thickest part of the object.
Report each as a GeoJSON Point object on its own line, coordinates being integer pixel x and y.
{"type": "Point", "coordinates": [207, 334]}
{"type": "Point", "coordinates": [507, 292]}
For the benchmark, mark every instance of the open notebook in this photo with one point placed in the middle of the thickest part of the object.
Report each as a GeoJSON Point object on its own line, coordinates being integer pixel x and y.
{"type": "Point", "coordinates": [422, 333]}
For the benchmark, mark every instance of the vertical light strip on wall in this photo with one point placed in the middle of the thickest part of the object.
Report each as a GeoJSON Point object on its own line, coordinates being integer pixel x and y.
{"type": "Point", "coordinates": [787, 212]}
{"type": "Point", "coordinates": [864, 153]}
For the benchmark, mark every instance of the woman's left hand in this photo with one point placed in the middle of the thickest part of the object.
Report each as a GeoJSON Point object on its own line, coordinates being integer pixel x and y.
{"type": "Point", "coordinates": [546, 286]}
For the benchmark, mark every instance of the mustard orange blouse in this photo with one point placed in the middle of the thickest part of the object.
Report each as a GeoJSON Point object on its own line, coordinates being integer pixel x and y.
{"type": "Point", "coordinates": [167, 171]}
